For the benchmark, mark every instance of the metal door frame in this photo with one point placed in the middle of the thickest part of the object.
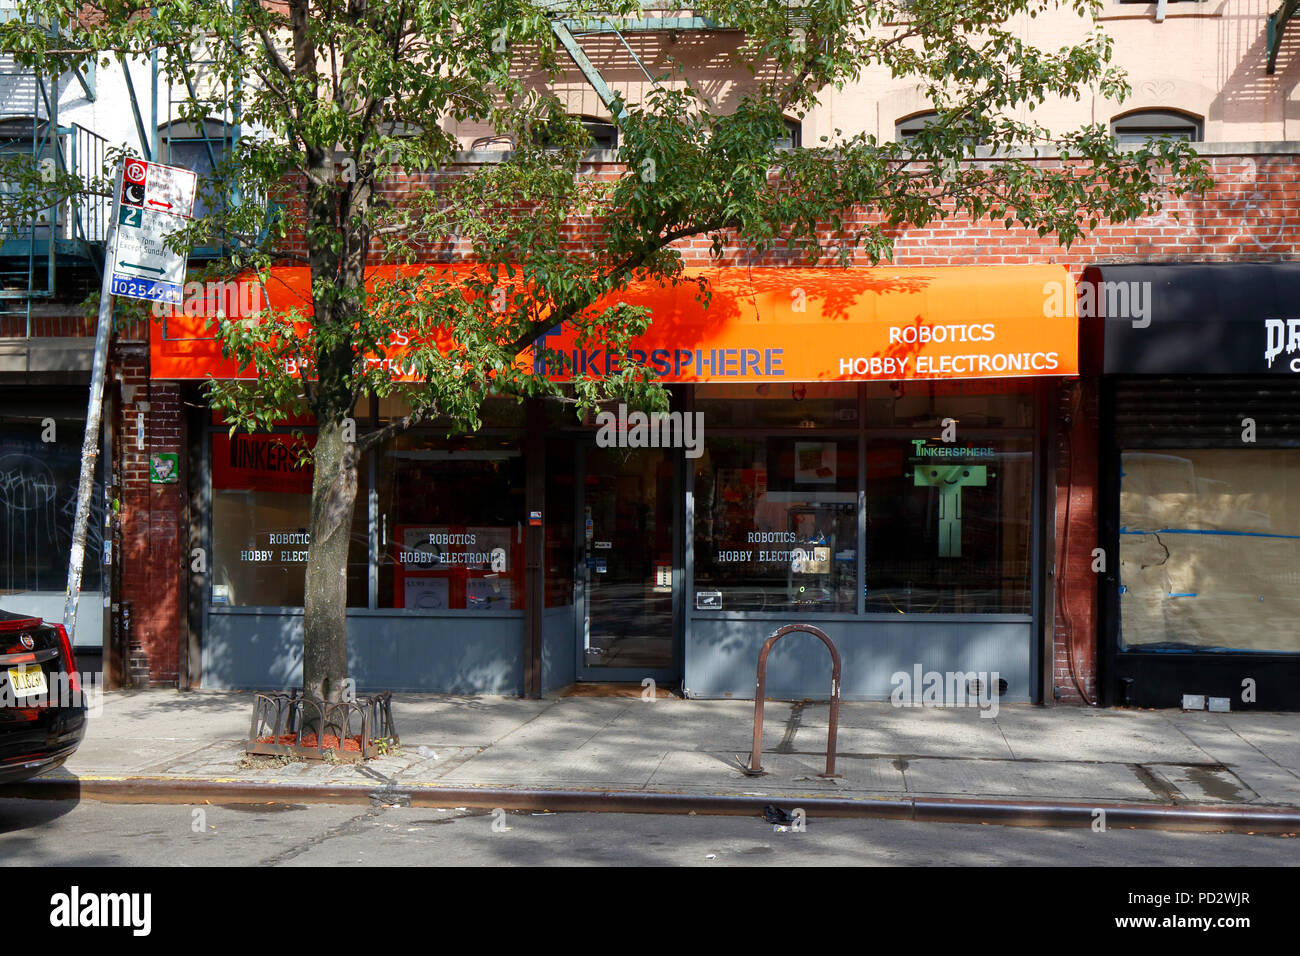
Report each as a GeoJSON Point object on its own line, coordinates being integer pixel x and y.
{"type": "Point", "coordinates": [583, 672]}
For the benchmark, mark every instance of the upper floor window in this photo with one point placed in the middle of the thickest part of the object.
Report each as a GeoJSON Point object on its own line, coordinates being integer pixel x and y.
{"type": "Point", "coordinates": [906, 130]}
{"type": "Point", "coordinates": [1141, 125]}
{"type": "Point", "coordinates": [604, 135]}
{"type": "Point", "coordinates": [200, 148]}
{"type": "Point", "coordinates": [793, 138]}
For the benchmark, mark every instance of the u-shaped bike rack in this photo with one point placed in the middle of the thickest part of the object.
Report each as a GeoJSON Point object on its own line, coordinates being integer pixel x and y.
{"type": "Point", "coordinates": [755, 766]}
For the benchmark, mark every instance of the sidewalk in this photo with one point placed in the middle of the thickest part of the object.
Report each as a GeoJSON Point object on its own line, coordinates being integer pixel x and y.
{"type": "Point", "coordinates": [672, 746]}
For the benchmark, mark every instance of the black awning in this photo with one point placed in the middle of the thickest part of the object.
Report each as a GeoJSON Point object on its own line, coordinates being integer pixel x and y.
{"type": "Point", "coordinates": [1229, 318]}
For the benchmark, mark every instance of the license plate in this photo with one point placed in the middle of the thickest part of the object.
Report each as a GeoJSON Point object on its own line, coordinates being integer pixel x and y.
{"type": "Point", "coordinates": [27, 680]}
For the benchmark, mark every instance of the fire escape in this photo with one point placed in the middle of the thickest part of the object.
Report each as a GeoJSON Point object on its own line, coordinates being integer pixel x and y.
{"type": "Point", "coordinates": [1277, 22]}
{"type": "Point", "coordinates": [655, 18]}
{"type": "Point", "coordinates": [56, 254]}
{"type": "Point", "coordinates": [602, 44]}
{"type": "Point", "coordinates": [69, 234]}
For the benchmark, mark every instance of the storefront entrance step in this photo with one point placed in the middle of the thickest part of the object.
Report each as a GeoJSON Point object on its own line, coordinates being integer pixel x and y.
{"type": "Point", "coordinates": [618, 689]}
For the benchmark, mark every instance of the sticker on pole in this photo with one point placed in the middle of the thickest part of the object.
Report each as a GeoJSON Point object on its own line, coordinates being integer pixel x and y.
{"type": "Point", "coordinates": [155, 202]}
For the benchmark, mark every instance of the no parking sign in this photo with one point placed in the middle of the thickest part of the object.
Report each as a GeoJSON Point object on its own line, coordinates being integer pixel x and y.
{"type": "Point", "coordinates": [155, 201]}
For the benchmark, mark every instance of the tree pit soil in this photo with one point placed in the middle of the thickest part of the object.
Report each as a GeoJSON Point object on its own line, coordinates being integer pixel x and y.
{"type": "Point", "coordinates": [310, 741]}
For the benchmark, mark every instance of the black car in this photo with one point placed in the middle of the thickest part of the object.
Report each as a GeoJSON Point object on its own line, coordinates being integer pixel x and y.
{"type": "Point", "coordinates": [42, 705]}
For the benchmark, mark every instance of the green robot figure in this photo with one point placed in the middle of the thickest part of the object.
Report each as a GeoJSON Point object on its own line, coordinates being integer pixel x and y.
{"type": "Point", "coordinates": [950, 480]}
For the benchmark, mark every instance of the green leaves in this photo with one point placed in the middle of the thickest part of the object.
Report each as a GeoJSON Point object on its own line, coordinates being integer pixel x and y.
{"type": "Point", "coordinates": [353, 115]}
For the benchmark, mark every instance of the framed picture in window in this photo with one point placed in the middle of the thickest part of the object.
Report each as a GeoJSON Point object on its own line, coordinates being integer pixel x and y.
{"type": "Point", "coordinates": [814, 462]}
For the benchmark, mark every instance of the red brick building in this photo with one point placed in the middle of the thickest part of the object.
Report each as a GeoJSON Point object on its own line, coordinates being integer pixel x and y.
{"type": "Point", "coordinates": [1250, 216]}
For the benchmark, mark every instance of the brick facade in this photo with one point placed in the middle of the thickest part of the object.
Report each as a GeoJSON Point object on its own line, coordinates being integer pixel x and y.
{"type": "Point", "coordinates": [1252, 214]}
{"type": "Point", "coordinates": [152, 533]}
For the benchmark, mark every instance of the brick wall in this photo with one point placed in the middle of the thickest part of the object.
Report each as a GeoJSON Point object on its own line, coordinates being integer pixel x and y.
{"type": "Point", "coordinates": [1253, 213]}
{"type": "Point", "coordinates": [151, 520]}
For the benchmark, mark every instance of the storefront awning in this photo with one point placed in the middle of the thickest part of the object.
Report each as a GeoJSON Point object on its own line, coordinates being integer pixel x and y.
{"type": "Point", "coordinates": [780, 324]}
{"type": "Point", "coordinates": [1191, 319]}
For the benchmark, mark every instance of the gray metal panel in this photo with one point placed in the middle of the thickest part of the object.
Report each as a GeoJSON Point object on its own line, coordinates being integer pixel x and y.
{"type": "Point", "coordinates": [461, 654]}
{"type": "Point", "coordinates": [722, 653]}
{"type": "Point", "coordinates": [52, 354]}
{"type": "Point", "coordinates": [558, 626]}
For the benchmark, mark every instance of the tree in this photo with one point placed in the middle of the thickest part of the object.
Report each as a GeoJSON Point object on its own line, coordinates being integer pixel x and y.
{"type": "Point", "coordinates": [338, 96]}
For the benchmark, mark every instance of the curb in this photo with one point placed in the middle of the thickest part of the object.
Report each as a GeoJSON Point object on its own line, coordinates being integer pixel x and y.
{"type": "Point", "coordinates": [1020, 813]}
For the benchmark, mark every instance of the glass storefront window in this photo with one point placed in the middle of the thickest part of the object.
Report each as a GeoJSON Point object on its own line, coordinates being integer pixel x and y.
{"type": "Point", "coordinates": [1209, 548]}
{"type": "Point", "coordinates": [949, 525]}
{"type": "Point", "coordinates": [38, 500]}
{"type": "Point", "coordinates": [451, 523]}
{"type": "Point", "coordinates": [494, 412]}
{"type": "Point", "coordinates": [776, 524]}
{"type": "Point", "coordinates": [974, 404]}
{"type": "Point", "coordinates": [40, 467]}
{"type": "Point", "coordinates": [779, 405]}
{"type": "Point", "coordinates": [261, 509]}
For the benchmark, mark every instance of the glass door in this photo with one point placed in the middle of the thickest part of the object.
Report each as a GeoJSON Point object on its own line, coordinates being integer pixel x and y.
{"type": "Point", "coordinates": [626, 573]}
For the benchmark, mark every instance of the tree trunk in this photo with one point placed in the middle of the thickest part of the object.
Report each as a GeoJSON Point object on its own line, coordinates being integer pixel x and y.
{"type": "Point", "coordinates": [325, 640]}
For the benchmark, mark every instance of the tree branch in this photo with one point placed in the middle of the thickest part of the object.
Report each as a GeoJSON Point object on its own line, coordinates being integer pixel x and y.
{"type": "Point", "coordinates": [273, 54]}
{"type": "Point", "coordinates": [398, 425]}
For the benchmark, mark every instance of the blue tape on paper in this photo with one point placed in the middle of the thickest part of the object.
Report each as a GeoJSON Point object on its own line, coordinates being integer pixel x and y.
{"type": "Point", "coordinates": [1232, 534]}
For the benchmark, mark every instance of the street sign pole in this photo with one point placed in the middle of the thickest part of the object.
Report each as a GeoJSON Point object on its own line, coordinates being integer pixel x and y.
{"type": "Point", "coordinates": [150, 201]}
{"type": "Point", "coordinates": [94, 409]}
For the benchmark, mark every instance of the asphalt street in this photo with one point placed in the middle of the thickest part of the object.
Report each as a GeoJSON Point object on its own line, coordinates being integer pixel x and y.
{"type": "Point", "coordinates": [61, 833]}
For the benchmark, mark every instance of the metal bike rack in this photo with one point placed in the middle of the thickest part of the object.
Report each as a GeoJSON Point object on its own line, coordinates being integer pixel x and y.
{"type": "Point", "coordinates": [755, 766]}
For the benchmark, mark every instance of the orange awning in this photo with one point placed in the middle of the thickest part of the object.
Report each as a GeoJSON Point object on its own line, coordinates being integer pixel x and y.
{"type": "Point", "coordinates": [782, 324]}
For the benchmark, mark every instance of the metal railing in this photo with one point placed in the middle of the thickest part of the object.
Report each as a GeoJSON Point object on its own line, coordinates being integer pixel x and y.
{"type": "Point", "coordinates": [87, 212]}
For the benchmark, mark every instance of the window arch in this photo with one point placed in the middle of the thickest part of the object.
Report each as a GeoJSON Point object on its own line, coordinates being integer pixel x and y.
{"type": "Point", "coordinates": [907, 128]}
{"type": "Point", "coordinates": [1140, 125]}
{"type": "Point", "coordinates": [603, 133]}
{"type": "Point", "coordinates": [17, 131]}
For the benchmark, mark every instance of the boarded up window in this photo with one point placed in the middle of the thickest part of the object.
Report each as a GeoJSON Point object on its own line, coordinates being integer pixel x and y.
{"type": "Point", "coordinates": [1210, 549]}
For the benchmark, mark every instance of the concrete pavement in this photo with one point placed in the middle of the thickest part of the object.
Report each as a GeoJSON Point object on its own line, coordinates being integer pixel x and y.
{"type": "Point", "coordinates": [40, 834]}
{"type": "Point", "coordinates": [672, 746]}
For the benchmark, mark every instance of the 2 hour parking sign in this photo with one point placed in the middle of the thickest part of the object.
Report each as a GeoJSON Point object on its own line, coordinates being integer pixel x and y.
{"type": "Point", "coordinates": [155, 201]}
